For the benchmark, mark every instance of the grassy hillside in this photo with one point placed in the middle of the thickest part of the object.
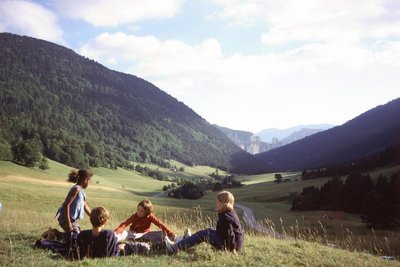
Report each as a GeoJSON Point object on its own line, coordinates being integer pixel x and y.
{"type": "Point", "coordinates": [272, 202]}
{"type": "Point", "coordinates": [189, 172]}
{"type": "Point", "coordinates": [30, 198]}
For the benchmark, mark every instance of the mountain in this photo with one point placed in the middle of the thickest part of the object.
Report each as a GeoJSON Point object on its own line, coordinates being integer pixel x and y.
{"type": "Point", "coordinates": [80, 113]}
{"type": "Point", "coordinates": [236, 135]}
{"type": "Point", "coordinates": [369, 133]}
{"type": "Point", "coordinates": [300, 134]}
{"type": "Point", "coordinates": [245, 140]}
{"type": "Point", "coordinates": [253, 144]}
{"type": "Point", "coordinates": [269, 135]}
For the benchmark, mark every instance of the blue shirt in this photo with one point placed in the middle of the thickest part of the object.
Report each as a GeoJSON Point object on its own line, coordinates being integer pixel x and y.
{"type": "Point", "coordinates": [77, 207]}
{"type": "Point", "coordinates": [104, 245]}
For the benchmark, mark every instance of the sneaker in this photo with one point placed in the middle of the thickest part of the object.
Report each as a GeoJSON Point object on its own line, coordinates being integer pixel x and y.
{"type": "Point", "coordinates": [187, 233]}
{"type": "Point", "coordinates": [170, 246]}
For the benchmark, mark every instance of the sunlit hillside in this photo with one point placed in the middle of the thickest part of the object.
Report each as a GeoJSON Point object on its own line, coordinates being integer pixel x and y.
{"type": "Point", "coordinates": [30, 198]}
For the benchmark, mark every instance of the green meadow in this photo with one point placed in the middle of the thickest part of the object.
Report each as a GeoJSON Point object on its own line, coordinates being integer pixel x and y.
{"type": "Point", "coordinates": [31, 197]}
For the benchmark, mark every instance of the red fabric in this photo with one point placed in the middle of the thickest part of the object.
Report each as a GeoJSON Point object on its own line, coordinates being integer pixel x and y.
{"type": "Point", "coordinates": [142, 225]}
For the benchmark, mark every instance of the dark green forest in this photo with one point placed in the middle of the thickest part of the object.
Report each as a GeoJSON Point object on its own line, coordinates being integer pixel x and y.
{"type": "Point", "coordinates": [378, 203]}
{"type": "Point", "coordinates": [58, 104]}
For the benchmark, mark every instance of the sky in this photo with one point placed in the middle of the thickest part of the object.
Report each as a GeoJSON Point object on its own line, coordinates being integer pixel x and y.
{"type": "Point", "coordinates": [242, 64]}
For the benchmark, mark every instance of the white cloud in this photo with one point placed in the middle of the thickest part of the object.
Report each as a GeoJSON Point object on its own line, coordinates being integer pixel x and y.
{"type": "Point", "coordinates": [152, 56]}
{"type": "Point", "coordinates": [28, 18]}
{"type": "Point", "coordinates": [241, 12]}
{"type": "Point", "coordinates": [117, 12]}
{"type": "Point", "coordinates": [317, 20]}
{"type": "Point", "coordinates": [323, 77]}
{"type": "Point", "coordinates": [389, 53]}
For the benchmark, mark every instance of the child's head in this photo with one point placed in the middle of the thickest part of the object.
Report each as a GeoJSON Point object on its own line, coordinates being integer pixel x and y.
{"type": "Point", "coordinates": [144, 208]}
{"type": "Point", "coordinates": [81, 177]}
{"type": "Point", "coordinates": [225, 201]}
{"type": "Point", "coordinates": [99, 216]}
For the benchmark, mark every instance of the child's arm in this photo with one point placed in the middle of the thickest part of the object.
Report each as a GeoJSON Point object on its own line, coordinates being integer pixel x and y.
{"type": "Point", "coordinates": [67, 203]}
{"type": "Point", "coordinates": [124, 224]}
{"type": "Point", "coordinates": [162, 226]}
{"type": "Point", "coordinates": [87, 209]}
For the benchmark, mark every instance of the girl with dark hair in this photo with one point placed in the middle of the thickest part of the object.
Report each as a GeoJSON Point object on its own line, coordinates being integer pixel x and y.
{"type": "Point", "coordinates": [75, 206]}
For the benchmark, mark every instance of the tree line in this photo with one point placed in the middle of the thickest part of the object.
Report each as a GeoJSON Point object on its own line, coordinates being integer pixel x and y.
{"type": "Point", "coordinates": [196, 190]}
{"type": "Point", "coordinates": [377, 203]}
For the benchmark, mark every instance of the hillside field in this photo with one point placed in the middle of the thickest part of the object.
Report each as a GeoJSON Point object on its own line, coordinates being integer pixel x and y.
{"type": "Point", "coordinates": [30, 198]}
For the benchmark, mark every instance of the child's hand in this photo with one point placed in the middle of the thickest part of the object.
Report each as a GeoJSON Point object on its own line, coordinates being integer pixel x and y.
{"type": "Point", "coordinates": [122, 246]}
{"type": "Point", "coordinates": [234, 251]}
{"type": "Point", "coordinates": [172, 237]}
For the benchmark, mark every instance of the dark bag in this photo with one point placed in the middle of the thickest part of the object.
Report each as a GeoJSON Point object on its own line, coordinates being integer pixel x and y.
{"type": "Point", "coordinates": [54, 246]}
{"type": "Point", "coordinates": [68, 250]}
{"type": "Point", "coordinates": [141, 248]}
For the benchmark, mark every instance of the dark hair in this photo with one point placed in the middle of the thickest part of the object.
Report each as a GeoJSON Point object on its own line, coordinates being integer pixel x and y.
{"type": "Point", "coordinates": [99, 216]}
{"type": "Point", "coordinates": [147, 206]}
{"type": "Point", "coordinates": [79, 176]}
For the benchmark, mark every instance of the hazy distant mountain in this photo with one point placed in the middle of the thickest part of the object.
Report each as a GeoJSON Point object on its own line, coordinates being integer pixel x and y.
{"type": "Point", "coordinates": [300, 134]}
{"type": "Point", "coordinates": [267, 135]}
{"type": "Point", "coordinates": [236, 135]}
{"type": "Point", "coordinates": [245, 140]}
{"type": "Point", "coordinates": [80, 113]}
{"type": "Point", "coordinates": [364, 135]}
{"type": "Point", "coordinates": [253, 144]}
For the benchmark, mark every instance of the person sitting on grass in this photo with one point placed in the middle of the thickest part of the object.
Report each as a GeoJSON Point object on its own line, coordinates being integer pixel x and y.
{"type": "Point", "coordinates": [97, 242]}
{"type": "Point", "coordinates": [100, 243]}
{"type": "Point", "coordinates": [140, 223]}
{"type": "Point", "coordinates": [227, 236]}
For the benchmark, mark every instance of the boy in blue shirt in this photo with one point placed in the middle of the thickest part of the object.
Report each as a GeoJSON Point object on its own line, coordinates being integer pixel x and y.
{"type": "Point", "coordinates": [101, 243]}
{"type": "Point", "coordinates": [97, 243]}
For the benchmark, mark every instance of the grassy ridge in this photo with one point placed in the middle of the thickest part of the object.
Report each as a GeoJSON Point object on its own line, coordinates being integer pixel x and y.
{"type": "Point", "coordinates": [189, 172]}
{"type": "Point", "coordinates": [30, 198]}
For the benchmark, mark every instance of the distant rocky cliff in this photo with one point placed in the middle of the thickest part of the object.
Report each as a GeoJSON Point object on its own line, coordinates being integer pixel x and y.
{"type": "Point", "coordinates": [245, 140]}
{"type": "Point", "coordinates": [253, 144]}
{"type": "Point", "coordinates": [248, 141]}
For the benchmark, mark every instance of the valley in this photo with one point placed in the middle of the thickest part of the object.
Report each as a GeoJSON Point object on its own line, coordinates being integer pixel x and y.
{"type": "Point", "coordinates": [31, 196]}
{"type": "Point", "coordinates": [61, 110]}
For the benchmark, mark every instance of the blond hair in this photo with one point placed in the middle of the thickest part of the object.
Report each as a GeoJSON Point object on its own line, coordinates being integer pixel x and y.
{"type": "Point", "coordinates": [147, 206]}
{"type": "Point", "coordinates": [99, 216]}
{"type": "Point", "coordinates": [227, 200]}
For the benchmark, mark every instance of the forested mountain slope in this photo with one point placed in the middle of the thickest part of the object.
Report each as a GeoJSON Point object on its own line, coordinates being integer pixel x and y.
{"type": "Point", "coordinates": [80, 113]}
{"type": "Point", "coordinates": [369, 133]}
